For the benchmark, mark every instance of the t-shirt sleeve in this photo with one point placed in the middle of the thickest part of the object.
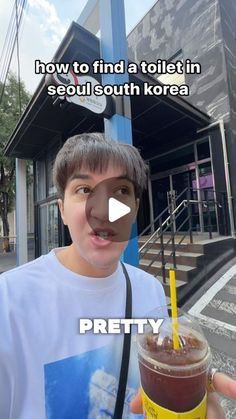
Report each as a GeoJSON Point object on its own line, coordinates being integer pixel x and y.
{"type": "Point", "coordinates": [148, 292]}
{"type": "Point", "coordinates": [6, 354]}
{"type": "Point", "coordinates": [160, 292]}
{"type": "Point", "coordinates": [155, 289]}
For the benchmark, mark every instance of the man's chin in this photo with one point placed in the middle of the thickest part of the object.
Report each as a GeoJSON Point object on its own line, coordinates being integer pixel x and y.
{"type": "Point", "coordinates": [104, 263]}
{"type": "Point", "coordinates": [103, 259]}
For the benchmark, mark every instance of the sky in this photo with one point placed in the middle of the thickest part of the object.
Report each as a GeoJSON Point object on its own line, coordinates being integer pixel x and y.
{"type": "Point", "coordinates": [45, 22]}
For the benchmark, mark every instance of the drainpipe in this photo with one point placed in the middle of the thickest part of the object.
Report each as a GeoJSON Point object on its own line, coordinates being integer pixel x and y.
{"type": "Point", "coordinates": [220, 123]}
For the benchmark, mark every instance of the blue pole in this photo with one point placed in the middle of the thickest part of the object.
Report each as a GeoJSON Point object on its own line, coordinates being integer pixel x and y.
{"type": "Point", "coordinates": [113, 49]}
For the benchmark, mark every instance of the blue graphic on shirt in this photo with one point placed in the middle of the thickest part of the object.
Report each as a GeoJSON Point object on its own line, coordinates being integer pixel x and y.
{"type": "Point", "coordinates": [85, 386]}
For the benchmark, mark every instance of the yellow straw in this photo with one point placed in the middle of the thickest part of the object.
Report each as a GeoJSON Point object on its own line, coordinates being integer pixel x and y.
{"type": "Point", "coordinates": [174, 313]}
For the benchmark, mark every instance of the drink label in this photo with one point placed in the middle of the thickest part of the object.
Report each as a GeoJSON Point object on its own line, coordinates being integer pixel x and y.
{"type": "Point", "coordinates": [154, 411]}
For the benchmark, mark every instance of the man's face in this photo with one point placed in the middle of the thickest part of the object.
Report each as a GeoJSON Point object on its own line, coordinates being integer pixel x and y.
{"type": "Point", "coordinates": [97, 241]}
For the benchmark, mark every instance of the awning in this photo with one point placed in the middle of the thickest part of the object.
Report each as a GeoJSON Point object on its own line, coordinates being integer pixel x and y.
{"type": "Point", "coordinates": [156, 120]}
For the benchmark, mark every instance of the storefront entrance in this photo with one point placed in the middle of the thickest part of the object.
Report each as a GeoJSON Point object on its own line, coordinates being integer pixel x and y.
{"type": "Point", "coordinates": [196, 175]}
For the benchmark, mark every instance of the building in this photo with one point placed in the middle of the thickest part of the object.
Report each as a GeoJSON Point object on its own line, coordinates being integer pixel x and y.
{"type": "Point", "coordinates": [12, 221]}
{"type": "Point", "coordinates": [203, 32]}
{"type": "Point", "coordinates": [188, 142]}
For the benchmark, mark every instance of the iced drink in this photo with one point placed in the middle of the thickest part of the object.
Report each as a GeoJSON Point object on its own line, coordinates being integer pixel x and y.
{"type": "Point", "coordinates": [174, 379]}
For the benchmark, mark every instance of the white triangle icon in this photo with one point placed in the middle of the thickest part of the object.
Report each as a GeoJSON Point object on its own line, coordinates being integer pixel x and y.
{"type": "Point", "coordinates": [116, 209]}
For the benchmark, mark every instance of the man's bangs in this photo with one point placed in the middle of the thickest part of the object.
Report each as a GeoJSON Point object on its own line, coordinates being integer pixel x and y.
{"type": "Point", "coordinates": [94, 153]}
{"type": "Point", "coordinates": [96, 160]}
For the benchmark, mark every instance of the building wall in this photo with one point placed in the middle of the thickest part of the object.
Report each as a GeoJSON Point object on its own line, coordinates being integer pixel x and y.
{"type": "Point", "coordinates": [204, 30]}
{"type": "Point", "coordinates": [228, 22]}
{"type": "Point", "coordinates": [194, 27]}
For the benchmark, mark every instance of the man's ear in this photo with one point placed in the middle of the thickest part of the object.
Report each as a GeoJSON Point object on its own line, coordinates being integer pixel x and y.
{"type": "Point", "coordinates": [61, 208]}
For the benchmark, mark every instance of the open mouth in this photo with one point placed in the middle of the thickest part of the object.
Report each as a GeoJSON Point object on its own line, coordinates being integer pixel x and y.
{"type": "Point", "coordinates": [103, 234]}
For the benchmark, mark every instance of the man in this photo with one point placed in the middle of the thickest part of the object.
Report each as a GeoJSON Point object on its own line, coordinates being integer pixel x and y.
{"type": "Point", "coordinates": [48, 367]}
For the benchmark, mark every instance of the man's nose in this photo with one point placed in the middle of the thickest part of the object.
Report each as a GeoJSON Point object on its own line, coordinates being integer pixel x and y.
{"type": "Point", "coordinates": [98, 206]}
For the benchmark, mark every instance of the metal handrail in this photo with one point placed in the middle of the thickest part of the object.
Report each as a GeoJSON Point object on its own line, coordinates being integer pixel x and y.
{"type": "Point", "coordinates": [184, 202]}
{"type": "Point", "coordinates": [177, 198]}
{"type": "Point", "coordinates": [161, 214]}
{"type": "Point", "coordinates": [168, 241]}
{"type": "Point", "coordinates": [171, 238]}
{"type": "Point", "coordinates": [163, 224]}
{"type": "Point", "coordinates": [169, 222]}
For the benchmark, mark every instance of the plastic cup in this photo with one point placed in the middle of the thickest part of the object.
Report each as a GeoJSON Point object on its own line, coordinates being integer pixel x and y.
{"type": "Point", "coordinates": [174, 380]}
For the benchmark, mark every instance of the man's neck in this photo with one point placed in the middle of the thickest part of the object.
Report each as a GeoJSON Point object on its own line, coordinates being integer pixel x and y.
{"type": "Point", "coordinates": [70, 259]}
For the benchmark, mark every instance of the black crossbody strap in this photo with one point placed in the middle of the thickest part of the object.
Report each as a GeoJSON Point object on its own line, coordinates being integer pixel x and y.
{"type": "Point", "coordinates": [120, 399]}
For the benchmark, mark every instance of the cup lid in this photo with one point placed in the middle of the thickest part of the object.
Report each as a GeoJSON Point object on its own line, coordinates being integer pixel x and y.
{"type": "Point", "coordinates": [159, 347]}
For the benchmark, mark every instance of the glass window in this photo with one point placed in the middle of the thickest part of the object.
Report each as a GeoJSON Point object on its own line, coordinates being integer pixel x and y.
{"type": "Point", "coordinates": [43, 229]}
{"type": "Point", "coordinates": [183, 180]}
{"type": "Point", "coordinates": [177, 158]}
{"type": "Point", "coordinates": [205, 169]}
{"type": "Point", "coordinates": [203, 150]}
{"type": "Point", "coordinates": [206, 181]}
{"type": "Point", "coordinates": [51, 189]}
{"type": "Point", "coordinates": [40, 180]}
{"type": "Point", "coordinates": [48, 227]}
{"type": "Point", "coordinates": [53, 226]}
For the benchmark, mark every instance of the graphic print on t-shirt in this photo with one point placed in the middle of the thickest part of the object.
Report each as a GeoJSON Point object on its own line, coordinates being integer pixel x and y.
{"type": "Point", "coordinates": [85, 386]}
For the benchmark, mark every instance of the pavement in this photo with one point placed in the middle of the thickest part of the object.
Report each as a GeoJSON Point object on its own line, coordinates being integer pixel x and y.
{"type": "Point", "coordinates": [9, 261]}
{"type": "Point", "coordinates": [214, 305]}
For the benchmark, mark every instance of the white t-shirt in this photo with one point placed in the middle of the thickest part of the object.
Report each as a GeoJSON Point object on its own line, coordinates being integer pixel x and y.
{"type": "Point", "coordinates": [48, 370]}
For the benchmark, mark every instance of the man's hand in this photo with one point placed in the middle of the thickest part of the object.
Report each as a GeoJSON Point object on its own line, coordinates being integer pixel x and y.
{"type": "Point", "coordinates": [222, 384]}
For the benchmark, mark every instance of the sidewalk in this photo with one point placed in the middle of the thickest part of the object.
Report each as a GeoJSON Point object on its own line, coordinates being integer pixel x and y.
{"type": "Point", "coordinates": [215, 307]}
{"type": "Point", "coordinates": [8, 260]}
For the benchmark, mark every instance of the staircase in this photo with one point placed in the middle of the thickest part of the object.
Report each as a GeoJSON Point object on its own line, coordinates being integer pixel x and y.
{"type": "Point", "coordinates": [195, 262]}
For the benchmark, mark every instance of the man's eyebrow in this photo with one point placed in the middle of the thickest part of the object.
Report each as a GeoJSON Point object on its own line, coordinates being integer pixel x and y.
{"type": "Point", "coordinates": [80, 176]}
{"type": "Point", "coordinates": [125, 177]}
{"type": "Point", "coordinates": [87, 176]}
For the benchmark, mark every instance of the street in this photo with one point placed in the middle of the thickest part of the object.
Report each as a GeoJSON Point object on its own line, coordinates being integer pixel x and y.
{"type": "Point", "coordinates": [214, 305]}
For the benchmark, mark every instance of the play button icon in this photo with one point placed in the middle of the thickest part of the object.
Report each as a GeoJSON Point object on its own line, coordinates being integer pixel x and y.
{"type": "Point", "coordinates": [111, 208]}
{"type": "Point", "coordinates": [117, 209]}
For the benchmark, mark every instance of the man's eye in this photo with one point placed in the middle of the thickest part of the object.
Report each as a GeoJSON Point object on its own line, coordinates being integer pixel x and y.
{"type": "Point", "coordinates": [84, 190]}
{"type": "Point", "coordinates": [124, 190]}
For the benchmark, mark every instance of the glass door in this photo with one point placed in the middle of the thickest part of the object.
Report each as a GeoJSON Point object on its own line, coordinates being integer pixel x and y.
{"type": "Point", "coordinates": [48, 222]}
{"type": "Point", "coordinates": [160, 187]}
{"type": "Point", "coordinates": [207, 194]}
{"type": "Point", "coordinates": [169, 180]}
{"type": "Point", "coordinates": [180, 181]}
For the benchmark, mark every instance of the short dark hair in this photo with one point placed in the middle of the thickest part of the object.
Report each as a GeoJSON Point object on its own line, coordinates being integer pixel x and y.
{"type": "Point", "coordinates": [94, 152]}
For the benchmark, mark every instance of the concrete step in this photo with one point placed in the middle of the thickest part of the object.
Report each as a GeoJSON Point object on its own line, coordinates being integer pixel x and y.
{"type": "Point", "coordinates": [182, 271]}
{"type": "Point", "coordinates": [182, 247]}
{"type": "Point", "coordinates": [168, 301]}
{"type": "Point", "coordinates": [196, 261]}
{"type": "Point", "coordinates": [180, 285]}
{"type": "Point", "coordinates": [182, 258]}
{"type": "Point", "coordinates": [166, 238]}
{"type": "Point", "coordinates": [199, 245]}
